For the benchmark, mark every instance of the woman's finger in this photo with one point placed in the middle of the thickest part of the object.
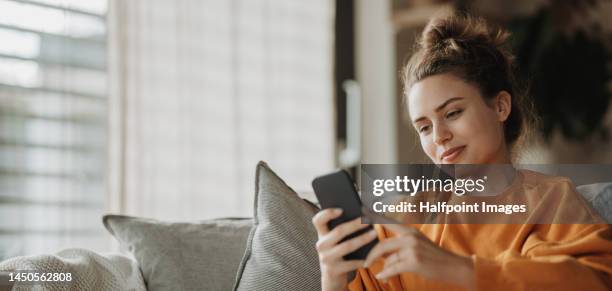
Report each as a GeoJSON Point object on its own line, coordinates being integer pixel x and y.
{"type": "Point", "coordinates": [401, 255]}
{"type": "Point", "coordinates": [321, 218]}
{"type": "Point", "coordinates": [349, 227]}
{"type": "Point", "coordinates": [392, 270]}
{"type": "Point", "coordinates": [388, 246]}
{"type": "Point", "coordinates": [355, 243]}
{"type": "Point", "coordinates": [344, 267]}
{"type": "Point", "coordinates": [340, 232]}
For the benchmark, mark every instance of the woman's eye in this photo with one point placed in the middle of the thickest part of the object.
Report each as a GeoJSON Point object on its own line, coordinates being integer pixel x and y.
{"type": "Point", "coordinates": [423, 128]}
{"type": "Point", "coordinates": [453, 113]}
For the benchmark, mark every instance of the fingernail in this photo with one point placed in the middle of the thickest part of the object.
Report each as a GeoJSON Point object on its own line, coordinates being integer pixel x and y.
{"type": "Point", "coordinates": [338, 210]}
{"type": "Point", "coordinates": [366, 264]}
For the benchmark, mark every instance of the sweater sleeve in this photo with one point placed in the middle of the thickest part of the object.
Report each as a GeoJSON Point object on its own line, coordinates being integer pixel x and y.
{"type": "Point", "coordinates": [365, 277]}
{"type": "Point", "coordinates": [364, 280]}
{"type": "Point", "coordinates": [582, 263]}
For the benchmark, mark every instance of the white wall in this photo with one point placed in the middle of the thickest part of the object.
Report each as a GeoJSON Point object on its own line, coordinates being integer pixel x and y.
{"type": "Point", "coordinates": [375, 70]}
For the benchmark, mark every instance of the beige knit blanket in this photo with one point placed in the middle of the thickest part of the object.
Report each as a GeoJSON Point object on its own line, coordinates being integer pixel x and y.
{"type": "Point", "coordinates": [89, 271]}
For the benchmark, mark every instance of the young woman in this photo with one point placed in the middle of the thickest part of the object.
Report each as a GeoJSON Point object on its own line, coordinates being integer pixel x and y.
{"type": "Point", "coordinates": [462, 103]}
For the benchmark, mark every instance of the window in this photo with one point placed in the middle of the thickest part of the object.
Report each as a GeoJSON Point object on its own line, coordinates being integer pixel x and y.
{"type": "Point", "coordinates": [53, 107]}
{"type": "Point", "coordinates": [206, 88]}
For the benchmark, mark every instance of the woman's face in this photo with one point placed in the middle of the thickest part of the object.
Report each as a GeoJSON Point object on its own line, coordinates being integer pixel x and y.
{"type": "Point", "coordinates": [455, 124]}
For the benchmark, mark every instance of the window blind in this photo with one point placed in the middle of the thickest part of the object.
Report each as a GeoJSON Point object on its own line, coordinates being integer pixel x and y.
{"type": "Point", "coordinates": [53, 108]}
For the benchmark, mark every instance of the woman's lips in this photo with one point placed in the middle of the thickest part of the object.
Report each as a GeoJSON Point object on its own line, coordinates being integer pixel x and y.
{"type": "Point", "coordinates": [451, 155]}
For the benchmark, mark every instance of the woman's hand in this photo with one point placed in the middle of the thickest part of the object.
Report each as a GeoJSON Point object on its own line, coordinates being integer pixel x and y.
{"type": "Point", "coordinates": [411, 251]}
{"type": "Point", "coordinates": [334, 269]}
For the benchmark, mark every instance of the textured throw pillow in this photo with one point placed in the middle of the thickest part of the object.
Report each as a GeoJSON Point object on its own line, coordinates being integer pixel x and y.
{"type": "Point", "coordinates": [603, 203]}
{"type": "Point", "coordinates": [183, 256]}
{"type": "Point", "coordinates": [600, 197]}
{"type": "Point", "coordinates": [280, 252]}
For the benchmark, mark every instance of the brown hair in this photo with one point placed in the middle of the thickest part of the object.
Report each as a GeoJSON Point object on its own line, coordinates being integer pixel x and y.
{"type": "Point", "coordinates": [475, 51]}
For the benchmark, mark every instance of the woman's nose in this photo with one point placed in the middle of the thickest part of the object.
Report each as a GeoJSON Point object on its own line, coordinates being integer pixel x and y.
{"type": "Point", "coordinates": [441, 134]}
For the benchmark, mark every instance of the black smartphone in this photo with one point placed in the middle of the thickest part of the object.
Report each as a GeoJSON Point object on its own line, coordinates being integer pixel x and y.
{"type": "Point", "coordinates": [337, 190]}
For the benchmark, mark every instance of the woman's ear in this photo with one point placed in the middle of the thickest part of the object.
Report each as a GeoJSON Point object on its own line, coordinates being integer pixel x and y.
{"type": "Point", "coordinates": [503, 105]}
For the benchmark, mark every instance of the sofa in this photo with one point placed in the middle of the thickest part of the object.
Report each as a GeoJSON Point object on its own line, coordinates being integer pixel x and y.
{"type": "Point", "coordinates": [274, 250]}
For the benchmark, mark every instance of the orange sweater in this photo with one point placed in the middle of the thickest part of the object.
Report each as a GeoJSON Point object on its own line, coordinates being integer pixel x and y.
{"type": "Point", "coordinates": [514, 256]}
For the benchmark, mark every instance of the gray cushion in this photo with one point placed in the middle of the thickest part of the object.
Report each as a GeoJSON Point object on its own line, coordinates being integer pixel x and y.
{"type": "Point", "coordinates": [280, 252]}
{"type": "Point", "coordinates": [183, 256]}
{"type": "Point", "coordinates": [600, 197]}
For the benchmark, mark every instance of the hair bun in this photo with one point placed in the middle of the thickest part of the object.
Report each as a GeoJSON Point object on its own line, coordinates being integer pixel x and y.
{"type": "Point", "coordinates": [457, 32]}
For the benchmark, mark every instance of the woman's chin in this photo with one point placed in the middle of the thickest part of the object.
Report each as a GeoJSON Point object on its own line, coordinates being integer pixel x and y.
{"type": "Point", "coordinates": [454, 162]}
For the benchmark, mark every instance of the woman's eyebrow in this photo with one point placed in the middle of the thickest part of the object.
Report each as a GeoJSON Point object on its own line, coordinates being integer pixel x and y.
{"type": "Point", "coordinates": [449, 101]}
{"type": "Point", "coordinates": [440, 107]}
